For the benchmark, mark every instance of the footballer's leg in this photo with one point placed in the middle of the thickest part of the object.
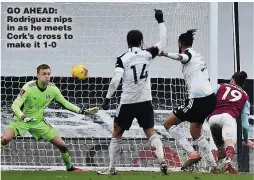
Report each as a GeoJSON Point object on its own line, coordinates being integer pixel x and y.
{"type": "Point", "coordinates": [65, 154]}
{"type": "Point", "coordinates": [157, 146]}
{"type": "Point", "coordinates": [176, 117]}
{"type": "Point", "coordinates": [145, 117]}
{"type": "Point", "coordinates": [14, 129]}
{"type": "Point", "coordinates": [214, 149]}
{"type": "Point", "coordinates": [48, 133]}
{"type": "Point", "coordinates": [216, 142]}
{"type": "Point", "coordinates": [202, 143]}
{"type": "Point", "coordinates": [124, 116]}
{"type": "Point", "coordinates": [114, 150]}
{"type": "Point", "coordinates": [9, 134]}
{"type": "Point", "coordinates": [229, 135]}
{"type": "Point", "coordinates": [201, 108]}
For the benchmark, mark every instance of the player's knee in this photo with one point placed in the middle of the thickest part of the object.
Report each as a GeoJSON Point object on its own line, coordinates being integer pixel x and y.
{"type": "Point", "coordinates": [116, 134]}
{"type": "Point", "coordinates": [63, 148]}
{"type": "Point", "coordinates": [168, 124]}
{"type": "Point", "coordinates": [229, 142]}
{"type": "Point", "coordinates": [117, 131]}
{"type": "Point", "coordinates": [5, 140]}
{"type": "Point", "coordinates": [172, 120]}
{"type": "Point", "coordinates": [195, 130]}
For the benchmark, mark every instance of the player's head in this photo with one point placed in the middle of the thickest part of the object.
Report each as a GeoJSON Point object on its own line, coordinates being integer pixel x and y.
{"type": "Point", "coordinates": [185, 40]}
{"type": "Point", "coordinates": [135, 39]}
{"type": "Point", "coordinates": [239, 78]}
{"type": "Point", "coordinates": [43, 73]}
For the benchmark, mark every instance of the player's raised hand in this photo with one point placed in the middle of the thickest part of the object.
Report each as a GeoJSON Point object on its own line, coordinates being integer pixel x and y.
{"type": "Point", "coordinates": [158, 15]}
{"type": "Point", "coordinates": [105, 104]}
{"type": "Point", "coordinates": [250, 144]}
{"type": "Point", "coordinates": [28, 119]}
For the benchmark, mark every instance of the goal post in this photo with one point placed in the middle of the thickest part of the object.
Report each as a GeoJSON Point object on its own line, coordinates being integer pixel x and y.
{"type": "Point", "coordinates": [99, 31]}
{"type": "Point", "coordinates": [214, 33]}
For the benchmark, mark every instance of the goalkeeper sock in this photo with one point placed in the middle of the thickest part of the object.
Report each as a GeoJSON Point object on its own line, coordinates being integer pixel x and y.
{"type": "Point", "coordinates": [157, 144]}
{"type": "Point", "coordinates": [203, 144]}
{"type": "Point", "coordinates": [114, 151]}
{"type": "Point", "coordinates": [179, 136]}
{"type": "Point", "coordinates": [67, 159]}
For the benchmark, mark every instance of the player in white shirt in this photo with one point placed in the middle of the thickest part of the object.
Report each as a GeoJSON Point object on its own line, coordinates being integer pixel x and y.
{"type": "Point", "coordinates": [200, 103]}
{"type": "Point", "coordinates": [132, 68]}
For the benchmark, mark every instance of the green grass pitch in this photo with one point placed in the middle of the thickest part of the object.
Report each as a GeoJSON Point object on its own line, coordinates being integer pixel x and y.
{"type": "Point", "coordinates": [62, 175]}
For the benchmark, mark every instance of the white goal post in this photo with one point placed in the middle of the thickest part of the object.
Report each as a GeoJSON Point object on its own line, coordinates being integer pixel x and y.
{"type": "Point", "coordinates": [99, 31]}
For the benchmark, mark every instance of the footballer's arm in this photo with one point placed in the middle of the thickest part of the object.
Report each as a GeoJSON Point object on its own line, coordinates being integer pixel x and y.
{"type": "Point", "coordinates": [216, 88]}
{"type": "Point", "coordinates": [18, 102]}
{"type": "Point", "coordinates": [184, 58]}
{"type": "Point", "coordinates": [157, 48]}
{"type": "Point", "coordinates": [245, 121]}
{"type": "Point", "coordinates": [63, 102]}
{"type": "Point", "coordinates": [114, 83]}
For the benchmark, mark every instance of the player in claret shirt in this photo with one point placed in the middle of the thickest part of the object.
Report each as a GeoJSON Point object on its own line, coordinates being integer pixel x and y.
{"type": "Point", "coordinates": [28, 109]}
{"type": "Point", "coordinates": [232, 101]}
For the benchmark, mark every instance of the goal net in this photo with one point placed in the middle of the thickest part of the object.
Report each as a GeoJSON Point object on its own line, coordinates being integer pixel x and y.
{"type": "Point", "coordinates": [99, 35]}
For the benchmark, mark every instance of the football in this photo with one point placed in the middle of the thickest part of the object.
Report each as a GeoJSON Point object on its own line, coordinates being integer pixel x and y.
{"type": "Point", "coordinates": [79, 72]}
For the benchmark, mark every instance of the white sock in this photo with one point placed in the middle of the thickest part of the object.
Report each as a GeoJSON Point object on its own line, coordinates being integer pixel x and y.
{"type": "Point", "coordinates": [176, 133]}
{"type": "Point", "coordinates": [114, 151]}
{"type": "Point", "coordinates": [157, 144]}
{"type": "Point", "coordinates": [205, 149]}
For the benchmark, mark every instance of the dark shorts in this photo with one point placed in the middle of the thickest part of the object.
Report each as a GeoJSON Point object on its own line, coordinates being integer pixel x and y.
{"type": "Point", "coordinates": [142, 111]}
{"type": "Point", "coordinates": [196, 109]}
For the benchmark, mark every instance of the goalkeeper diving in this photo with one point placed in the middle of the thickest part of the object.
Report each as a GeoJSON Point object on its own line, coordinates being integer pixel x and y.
{"type": "Point", "coordinates": [28, 109]}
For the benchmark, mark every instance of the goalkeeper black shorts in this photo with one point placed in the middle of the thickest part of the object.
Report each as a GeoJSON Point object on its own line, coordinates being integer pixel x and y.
{"type": "Point", "coordinates": [142, 111]}
{"type": "Point", "coordinates": [196, 109]}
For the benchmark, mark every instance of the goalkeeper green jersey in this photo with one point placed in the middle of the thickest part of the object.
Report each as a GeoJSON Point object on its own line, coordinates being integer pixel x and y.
{"type": "Point", "coordinates": [32, 101]}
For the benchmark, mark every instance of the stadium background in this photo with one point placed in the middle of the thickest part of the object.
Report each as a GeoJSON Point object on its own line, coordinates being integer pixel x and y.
{"type": "Point", "coordinates": [96, 51]}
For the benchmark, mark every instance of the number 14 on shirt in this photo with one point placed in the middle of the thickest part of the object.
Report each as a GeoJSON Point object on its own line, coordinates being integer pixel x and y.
{"type": "Point", "coordinates": [143, 74]}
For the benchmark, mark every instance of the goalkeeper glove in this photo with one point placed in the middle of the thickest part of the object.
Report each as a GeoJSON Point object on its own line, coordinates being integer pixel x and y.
{"type": "Point", "coordinates": [159, 15]}
{"type": "Point", "coordinates": [28, 119]}
{"type": "Point", "coordinates": [105, 104]}
{"type": "Point", "coordinates": [90, 111]}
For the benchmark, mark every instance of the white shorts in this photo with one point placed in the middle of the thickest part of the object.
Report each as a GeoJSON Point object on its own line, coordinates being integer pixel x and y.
{"type": "Point", "coordinates": [223, 127]}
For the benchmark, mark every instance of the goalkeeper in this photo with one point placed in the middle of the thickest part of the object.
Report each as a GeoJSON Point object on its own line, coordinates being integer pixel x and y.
{"type": "Point", "coordinates": [29, 108]}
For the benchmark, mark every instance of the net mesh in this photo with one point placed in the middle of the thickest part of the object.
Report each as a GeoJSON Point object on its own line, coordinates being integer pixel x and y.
{"type": "Point", "coordinates": [99, 31]}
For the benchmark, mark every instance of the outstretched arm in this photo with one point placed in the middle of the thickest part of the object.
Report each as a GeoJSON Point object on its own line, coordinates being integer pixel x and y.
{"type": "Point", "coordinates": [157, 48]}
{"type": "Point", "coordinates": [176, 56]}
{"type": "Point", "coordinates": [62, 101]}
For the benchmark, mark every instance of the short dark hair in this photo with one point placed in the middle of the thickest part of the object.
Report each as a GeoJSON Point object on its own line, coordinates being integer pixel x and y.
{"type": "Point", "coordinates": [240, 78]}
{"type": "Point", "coordinates": [187, 38]}
{"type": "Point", "coordinates": [42, 66]}
{"type": "Point", "coordinates": [134, 38]}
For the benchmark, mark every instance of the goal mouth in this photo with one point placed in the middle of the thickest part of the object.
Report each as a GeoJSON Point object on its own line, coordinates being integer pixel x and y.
{"type": "Point", "coordinates": [88, 138]}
